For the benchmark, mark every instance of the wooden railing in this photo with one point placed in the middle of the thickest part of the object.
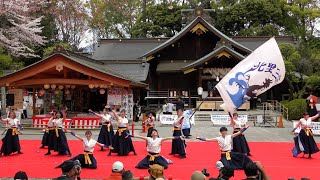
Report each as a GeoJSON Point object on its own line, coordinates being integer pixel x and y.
{"type": "Point", "coordinates": [277, 106]}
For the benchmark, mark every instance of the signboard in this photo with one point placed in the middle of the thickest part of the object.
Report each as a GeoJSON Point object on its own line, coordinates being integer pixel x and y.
{"type": "Point", "coordinates": [224, 120]}
{"type": "Point", "coordinates": [169, 119]}
{"type": "Point", "coordinates": [123, 98]}
{"type": "Point", "coordinates": [315, 127]}
{"type": "Point", "coordinates": [18, 98]}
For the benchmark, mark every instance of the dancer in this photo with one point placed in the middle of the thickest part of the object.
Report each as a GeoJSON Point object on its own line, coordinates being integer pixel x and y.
{"type": "Point", "coordinates": [122, 143]}
{"type": "Point", "coordinates": [304, 142]}
{"type": "Point", "coordinates": [106, 134]}
{"type": "Point", "coordinates": [86, 159]}
{"type": "Point", "coordinates": [178, 145]}
{"type": "Point", "coordinates": [150, 124]}
{"type": "Point", "coordinates": [240, 143]}
{"type": "Point", "coordinates": [154, 147]}
{"type": "Point", "coordinates": [229, 158]}
{"type": "Point", "coordinates": [10, 142]}
{"type": "Point", "coordinates": [49, 129]}
{"type": "Point", "coordinates": [57, 139]}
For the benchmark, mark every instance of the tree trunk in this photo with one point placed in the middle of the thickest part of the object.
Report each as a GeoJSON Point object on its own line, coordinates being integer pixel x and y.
{"type": "Point", "coordinates": [291, 88]}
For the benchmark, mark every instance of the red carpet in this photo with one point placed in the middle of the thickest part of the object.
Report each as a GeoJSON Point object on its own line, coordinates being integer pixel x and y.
{"type": "Point", "coordinates": [276, 158]}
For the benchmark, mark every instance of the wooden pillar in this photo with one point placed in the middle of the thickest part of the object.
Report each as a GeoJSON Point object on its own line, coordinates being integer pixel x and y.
{"type": "Point", "coordinates": [3, 100]}
{"type": "Point", "coordinates": [34, 101]}
{"type": "Point", "coordinates": [200, 77]}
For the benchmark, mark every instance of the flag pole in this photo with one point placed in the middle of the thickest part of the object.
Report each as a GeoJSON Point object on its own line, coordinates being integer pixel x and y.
{"type": "Point", "coordinates": [214, 87]}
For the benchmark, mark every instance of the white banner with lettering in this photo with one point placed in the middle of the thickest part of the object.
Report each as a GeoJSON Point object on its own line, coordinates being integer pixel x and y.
{"type": "Point", "coordinates": [315, 127]}
{"type": "Point", "coordinates": [168, 119]}
{"type": "Point", "coordinates": [222, 119]}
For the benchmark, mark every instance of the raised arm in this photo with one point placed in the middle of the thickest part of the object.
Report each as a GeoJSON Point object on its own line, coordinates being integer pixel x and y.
{"type": "Point", "coordinates": [294, 129]}
{"type": "Point", "coordinates": [240, 132]}
{"type": "Point", "coordinates": [207, 139]}
{"type": "Point", "coordinates": [4, 120]}
{"type": "Point", "coordinates": [115, 115]}
{"type": "Point", "coordinates": [314, 117]}
{"type": "Point", "coordinates": [140, 137]}
{"type": "Point", "coordinates": [74, 134]}
{"type": "Point", "coordinates": [95, 113]}
{"type": "Point", "coordinates": [232, 122]}
{"type": "Point", "coordinates": [174, 137]}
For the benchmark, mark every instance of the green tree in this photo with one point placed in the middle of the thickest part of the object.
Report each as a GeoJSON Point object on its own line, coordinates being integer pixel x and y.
{"type": "Point", "coordinates": [290, 55]}
{"type": "Point", "coordinates": [160, 20]}
{"type": "Point", "coordinates": [249, 17]}
{"type": "Point", "coordinates": [50, 49]}
{"type": "Point", "coordinates": [304, 16]}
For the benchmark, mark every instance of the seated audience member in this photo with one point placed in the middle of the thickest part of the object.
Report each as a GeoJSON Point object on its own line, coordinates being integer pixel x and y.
{"type": "Point", "coordinates": [117, 170]}
{"type": "Point", "coordinates": [127, 175]}
{"type": "Point", "coordinates": [21, 175]}
{"type": "Point", "coordinates": [156, 171]}
{"type": "Point", "coordinates": [70, 170]}
{"type": "Point", "coordinates": [254, 169]}
{"type": "Point", "coordinates": [198, 175]}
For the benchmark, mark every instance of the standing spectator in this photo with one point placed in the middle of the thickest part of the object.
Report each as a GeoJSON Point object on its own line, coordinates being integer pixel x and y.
{"type": "Point", "coordinates": [21, 175]}
{"type": "Point", "coordinates": [25, 106]}
{"type": "Point", "coordinates": [170, 107]}
{"type": "Point", "coordinates": [180, 104]}
{"type": "Point", "coordinates": [312, 101]}
{"type": "Point", "coordinates": [117, 170]}
{"type": "Point", "coordinates": [136, 111]}
{"type": "Point", "coordinates": [253, 169]}
{"type": "Point", "coordinates": [165, 107]}
{"type": "Point", "coordinates": [127, 175]}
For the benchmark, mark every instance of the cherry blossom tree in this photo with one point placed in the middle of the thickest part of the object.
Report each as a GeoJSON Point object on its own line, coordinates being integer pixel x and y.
{"type": "Point", "coordinates": [20, 26]}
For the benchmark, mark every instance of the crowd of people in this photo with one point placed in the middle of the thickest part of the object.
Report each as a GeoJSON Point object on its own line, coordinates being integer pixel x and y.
{"type": "Point", "coordinates": [235, 151]}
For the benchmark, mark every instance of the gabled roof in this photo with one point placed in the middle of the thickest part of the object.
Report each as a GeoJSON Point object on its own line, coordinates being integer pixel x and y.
{"type": "Point", "coordinates": [212, 55]}
{"type": "Point", "coordinates": [137, 71]}
{"type": "Point", "coordinates": [78, 59]}
{"type": "Point", "coordinates": [124, 49]}
{"type": "Point", "coordinates": [186, 30]}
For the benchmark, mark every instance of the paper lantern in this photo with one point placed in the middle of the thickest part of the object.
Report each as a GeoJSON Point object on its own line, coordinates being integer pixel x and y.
{"type": "Point", "coordinates": [53, 86]}
{"type": "Point", "coordinates": [200, 91]}
{"type": "Point", "coordinates": [41, 92]}
{"type": "Point", "coordinates": [67, 91]}
{"type": "Point", "coordinates": [102, 91]}
{"type": "Point", "coordinates": [46, 86]}
{"type": "Point", "coordinates": [60, 87]}
{"type": "Point", "coordinates": [68, 86]}
{"type": "Point", "coordinates": [91, 86]}
{"type": "Point", "coordinates": [73, 87]}
{"type": "Point", "coordinates": [56, 92]}
{"type": "Point", "coordinates": [96, 85]}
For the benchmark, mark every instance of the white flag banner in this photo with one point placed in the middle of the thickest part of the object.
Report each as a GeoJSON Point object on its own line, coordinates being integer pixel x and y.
{"type": "Point", "coordinates": [261, 70]}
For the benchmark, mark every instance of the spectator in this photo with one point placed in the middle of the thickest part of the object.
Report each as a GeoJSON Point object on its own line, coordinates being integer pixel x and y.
{"type": "Point", "coordinates": [253, 170]}
{"type": "Point", "coordinates": [170, 107]}
{"type": "Point", "coordinates": [165, 107]}
{"type": "Point", "coordinates": [198, 175]}
{"type": "Point", "coordinates": [226, 173]}
{"type": "Point", "coordinates": [70, 170]}
{"type": "Point", "coordinates": [127, 175]}
{"type": "Point", "coordinates": [117, 170]}
{"type": "Point", "coordinates": [180, 104]}
{"type": "Point", "coordinates": [312, 101]}
{"type": "Point", "coordinates": [24, 107]}
{"type": "Point", "coordinates": [21, 175]}
{"type": "Point", "coordinates": [156, 171]}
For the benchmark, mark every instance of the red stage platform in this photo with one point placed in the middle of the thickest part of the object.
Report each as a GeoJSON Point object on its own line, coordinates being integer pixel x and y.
{"type": "Point", "coordinates": [275, 157]}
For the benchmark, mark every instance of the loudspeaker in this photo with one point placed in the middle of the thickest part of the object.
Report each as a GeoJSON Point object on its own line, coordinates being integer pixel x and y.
{"type": "Point", "coordinates": [10, 99]}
